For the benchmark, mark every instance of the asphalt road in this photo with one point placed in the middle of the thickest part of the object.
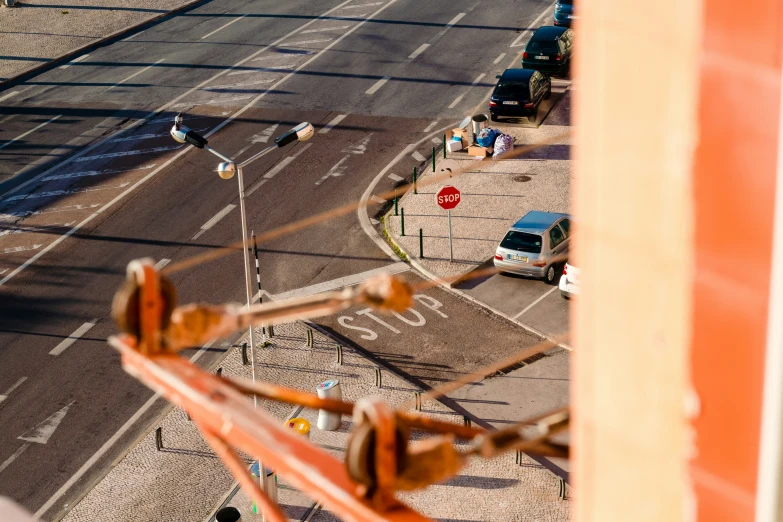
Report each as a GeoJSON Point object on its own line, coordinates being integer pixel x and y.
{"type": "Point", "coordinates": [81, 201]}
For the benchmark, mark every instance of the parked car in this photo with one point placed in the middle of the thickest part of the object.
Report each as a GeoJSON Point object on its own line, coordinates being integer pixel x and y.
{"type": "Point", "coordinates": [535, 245]}
{"type": "Point", "coordinates": [569, 281]}
{"type": "Point", "coordinates": [564, 12]}
{"type": "Point", "coordinates": [550, 50]}
{"type": "Point", "coordinates": [519, 92]}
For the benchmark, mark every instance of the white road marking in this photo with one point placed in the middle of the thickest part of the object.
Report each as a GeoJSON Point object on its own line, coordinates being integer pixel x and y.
{"type": "Point", "coordinates": [374, 221]}
{"type": "Point", "coordinates": [52, 193]}
{"type": "Point", "coordinates": [13, 457]}
{"type": "Point", "coordinates": [255, 186]}
{"type": "Point", "coordinates": [359, 148]}
{"type": "Point", "coordinates": [417, 52]}
{"type": "Point", "coordinates": [324, 29]}
{"type": "Point", "coordinates": [75, 336]}
{"type": "Point", "coordinates": [395, 177]}
{"type": "Point", "coordinates": [127, 153]}
{"type": "Point", "coordinates": [497, 60]}
{"type": "Point", "coordinates": [137, 137]}
{"type": "Point", "coordinates": [214, 220]}
{"type": "Point", "coordinates": [232, 85]}
{"type": "Point", "coordinates": [362, 5]}
{"type": "Point", "coordinates": [235, 20]}
{"type": "Point", "coordinates": [77, 60]}
{"type": "Point", "coordinates": [96, 172]}
{"type": "Point", "coordinates": [534, 303]}
{"type": "Point", "coordinates": [171, 160]}
{"type": "Point", "coordinates": [530, 28]}
{"type": "Point", "coordinates": [304, 42]}
{"type": "Point", "coordinates": [134, 75]}
{"type": "Point", "coordinates": [7, 143]}
{"type": "Point", "coordinates": [134, 35]}
{"type": "Point", "coordinates": [336, 171]}
{"type": "Point", "coordinates": [44, 430]}
{"type": "Point", "coordinates": [377, 85]}
{"type": "Point", "coordinates": [14, 250]}
{"type": "Point", "coordinates": [264, 135]}
{"type": "Point", "coordinates": [10, 390]}
{"type": "Point", "coordinates": [430, 126]}
{"type": "Point", "coordinates": [33, 230]}
{"type": "Point", "coordinates": [332, 124]}
{"type": "Point", "coordinates": [456, 19]}
{"type": "Point", "coordinates": [417, 156]}
{"type": "Point", "coordinates": [107, 445]}
{"type": "Point", "coordinates": [9, 95]}
{"type": "Point", "coordinates": [436, 141]}
{"type": "Point", "coordinates": [459, 98]}
{"type": "Point", "coordinates": [342, 282]}
{"type": "Point", "coordinates": [276, 170]}
{"type": "Point", "coordinates": [263, 70]}
{"type": "Point", "coordinates": [227, 100]}
{"type": "Point", "coordinates": [3, 271]}
{"type": "Point", "coordinates": [163, 262]}
{"type": "Point", "coordinates": [67, 208]}
{"type": "Point", "coordinates": [378, 200]}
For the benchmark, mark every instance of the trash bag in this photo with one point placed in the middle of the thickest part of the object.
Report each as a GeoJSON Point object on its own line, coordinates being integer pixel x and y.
{"type": "Point", "coordinates": [503, 144]}
{"type": "Point", "coordinates": [486, 137]}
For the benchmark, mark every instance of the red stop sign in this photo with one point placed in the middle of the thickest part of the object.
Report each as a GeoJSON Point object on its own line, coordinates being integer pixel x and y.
{"type": "Point", "coordinates": [448, 197]}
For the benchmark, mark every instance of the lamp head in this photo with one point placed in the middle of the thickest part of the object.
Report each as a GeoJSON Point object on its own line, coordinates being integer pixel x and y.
{"type": "Point", "coordinates": [227, 169]}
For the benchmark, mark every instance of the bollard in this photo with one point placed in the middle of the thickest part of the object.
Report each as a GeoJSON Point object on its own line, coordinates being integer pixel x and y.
{"type": "Point", "coordinates": [339, 350]}
{"type": "Point", "coordinates": [159, 438]}
{"type": "Point", "coordinates": [269, 483]}
{"type": "Point", "coordinates": [417, 395]}
{"type": "Point", "coordinates": [245, 360]}
{"type": "Point", "coordinates": [414, 181]}
{"type": "Point", "coordinates": [219, 371]}
{"type": "Point", "coordinates": [444, 148]}
{"type": "Point", "coordinates": [396, 212]}
{"type": "Point", "coordinates": [519, 460]}
{"type": "Point", "coordinates": [402, 222]}
{"type": "Point", "coordinates": [466, 420]}
{"type": "Point", "coordinates": [378, 377]}
{"type": "Point", "coordinates": [561, 488]}
{"type": "Point", "coordinates": [329, 421]}
{"type": "Point", "coordinates": [309, 338]}
{"type": "Point", "coordinates": [421, 244]}
{"type": "Point", "coordinates": [433, 160]}
{"type": "Point", "coordinates": [270, 331]}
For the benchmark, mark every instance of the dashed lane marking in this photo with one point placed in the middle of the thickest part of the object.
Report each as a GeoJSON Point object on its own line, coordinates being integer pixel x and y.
{"type": "Point", "coordinates": [52, 193]}
{"type": "Point", "coordinates": [286, 67]}
{"type": "Point", "coordinates": [127, 153]}
{"type": "Point", "coordinates": [362, 5]}
{"type": "Point", "coordinates": [324, 29]}
{"type": "Point", "coordinates": [436, 141]}
{"type": "Point", "coordinates": [459, 98]}
{"type": "Point", "coordinates": [417, 52]}
{"type": "Point", "coordinates": [417, 156]}
{"type": "Point", "coordinates": [214, 220]}
{"type": "Point", "coordinates": [235, 20]}
{"type": "Point", "coordinates": [76, 60]}
{"type": "Point", "coordinates": [95, 172]}
{"type": "Point", "coordinates": [332, 124]}
{"type": "Point", "coordinates": [342, 282]}
{"type": "Point", "coordinates": [10, 390]}
{"type": "Point", "coordinates": [7, 462]}
{"type": "Point", "coordinates": [378, 200]}
{"type": "Point", "coordinates": [499, 58]}
{"type": "Point", "coordinates": [430, 126]}
{"type": "Point", "coordinates": [7, 143]}
{"type": "Point", "coordinates": [305, 42]}
{"type": "Point", "coordinates": [9, 95]}
{"type": "Point", "coordinates": [75, 336]}
{"type": "Point", "coordinates": [14, 250]}
{"type": "Point", "coordinates": [377, 85]}
{"type": "Point", "coordinates": [395, 177]}
{"type": "Point", "coordinates": [163, 262]}
{"type": "Point", "coordinates": [534, 25]}
{"type": "Point", "coordinates": [67, 208]}
{"type": "Point", "coordinates": [134, 75]}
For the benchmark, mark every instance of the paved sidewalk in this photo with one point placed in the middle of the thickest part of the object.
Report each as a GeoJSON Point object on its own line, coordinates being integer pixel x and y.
{"type": "Point", "coordinates": [186, 482]}
{"type": "Point", "coordinates": [37, 32]}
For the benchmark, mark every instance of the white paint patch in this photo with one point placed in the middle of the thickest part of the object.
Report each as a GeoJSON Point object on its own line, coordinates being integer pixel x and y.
{"type": "Point", "coordinates": [324, 29]}
{"type": "Point", "coordinates": [163, 262]}
{"type": "Point", "coordinates": [68, 208]}
{"type": "Point", "coordinates": [534, 303]}
{"type": "Point", "coordinates": [374, 221]}
{"type": "Point", "coordinates": [3, 271]}
{"type": "Point", "coordinates": [214, 220]}
{"type": "Point", "coordinates": [378, 200]}
{"type": "Point", "coordinates": [9, 95]}
{"type": "Point", "coordinates": [22, 230]}
{"type": "Point", "coordinates": [44, 431]}
{"type": "Point", "coordinates": [255, 186]}
{"type": "Point", "coordinates": [131, 37]}
{"type": "Point", "coordinates": [264, 135]}
{"type": "Point", "coordinates": [14, 250]}
{"type": "Point", "coordinates": [336, 171]}
{"type": "Point", "coordinates": [235, 20]}
{"type": "Point", "coordinates": [497, 60]}
{"type": "Point", "coordinates": [134, 75]}
{"type": "Point", "coordinates": [7, 462]}
{"type": "Point", "coordinates": [7, 143]}
{"type": "Point", "coordinates": [436, 141]}
{"type": "Point", "coordinates": [305, 42]}
{"type": "Point", "coordinates": [417, 156]}
{"type": "Point", "coordinates": [77, 60]}
{"type": "Point", "coordinates": [332, 124]}
{"type": "Point", "coordinates": [417, 52]}
{"type": "Point", "coordinates": [359, 148]}
{"type": "Point", "coordinates": [377, 85]}
{"type": "Point", "coordinates": [127, 153]}
{"type": "Point", "coordinates": [456, 19]}
{"type": "Point", "coordinates": [75, 336]}
{"type": "Point", "coordinates": [96, 172]}
{"type": "Point", "coordinates": [362, 5]}
{"type": "Point", "coordinates": [395, 177]}
{"type": "Point", "coordinates": [10, 390]}
{"type": "Point", "coordinates": [53, 193]}
{"type": "Point", "coordinates": [430, 126]}
{"type": "Point", "coordinates": [234, 85]}
{"type": "Point", "coordinates": [286, 67]}
{"type": "Point", "coordinates": [342, 282]}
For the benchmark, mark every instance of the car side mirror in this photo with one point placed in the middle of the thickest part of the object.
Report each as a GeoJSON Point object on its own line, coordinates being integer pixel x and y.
{"type": "Point", "coordinates": [497, 76]}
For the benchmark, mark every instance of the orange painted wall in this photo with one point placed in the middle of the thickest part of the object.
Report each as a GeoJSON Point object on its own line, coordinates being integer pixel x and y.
{"type": "Point", "coordinates": [734, 180]}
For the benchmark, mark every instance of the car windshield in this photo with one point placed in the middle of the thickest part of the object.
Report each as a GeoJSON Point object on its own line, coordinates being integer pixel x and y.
{"type": "Point", "coordinates": [516, 88]}
{"type": "Point", "coordinates": [543, 47]}
{"type": "Point", "coordinates": [566, 2]}
{"type": "Point", "coordinates": [522, 241]}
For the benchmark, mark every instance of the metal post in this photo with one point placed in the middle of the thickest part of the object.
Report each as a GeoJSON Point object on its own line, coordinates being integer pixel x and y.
{"type": "Point", "coordinates": [414, 181]}
{"type": "Point", "coordinates": [402, 222]}
{"type": "Point", "coordinates": [451, 250]}
{"type": "Point", "coordinates": [258, 281]}
{"type": "Point", "coordinates": [433, 159]}
{"type": "Point", "coordinates": [396, 211]}
{"type": "Point", "coordinates": [378, 381]}
{"type": "Point", "coordinates": [339, 349]}
{"type": "Point", "coordinates": [159, 438]}
{"type": "Point", "coordinates": [245, 360]}
{"type": "Point", "coordinates": [444, 148]}
{"type": "Point", "coordinates": [421, 244]}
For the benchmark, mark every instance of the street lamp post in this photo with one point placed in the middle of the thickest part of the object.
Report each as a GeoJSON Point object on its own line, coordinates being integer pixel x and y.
{"type": "Point", "coordinates": [226, 170]}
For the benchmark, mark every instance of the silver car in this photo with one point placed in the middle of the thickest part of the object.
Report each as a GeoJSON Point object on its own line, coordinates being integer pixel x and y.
{"type": "Point", "coordinates": [535, 245]}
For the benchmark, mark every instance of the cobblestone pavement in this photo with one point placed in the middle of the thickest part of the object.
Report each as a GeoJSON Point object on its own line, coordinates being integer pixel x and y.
{"type": "Point", "coordinates": [186, 482]}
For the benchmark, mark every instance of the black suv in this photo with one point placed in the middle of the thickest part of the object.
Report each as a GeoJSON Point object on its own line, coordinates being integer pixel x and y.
{"type": "Point", "coordinates": [519, 93]}
{"type": "Point", "coordinates": [550, 50]}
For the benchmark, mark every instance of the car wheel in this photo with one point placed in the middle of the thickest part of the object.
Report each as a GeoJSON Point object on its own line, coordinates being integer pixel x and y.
{"type": "Point", "coordinates": [549, 275]}
{"type": "Point", "coordinates": [493, 117]}
{"type": "Point", "coordinates": [548, 93]}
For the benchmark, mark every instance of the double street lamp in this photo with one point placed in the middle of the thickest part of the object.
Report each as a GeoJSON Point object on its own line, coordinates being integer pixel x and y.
{"type": "Point", "coordinates": [226, 170]}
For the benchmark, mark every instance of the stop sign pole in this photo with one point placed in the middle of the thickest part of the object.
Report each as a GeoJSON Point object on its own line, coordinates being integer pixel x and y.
{"type": "Point", "coordinates": [448, 197]}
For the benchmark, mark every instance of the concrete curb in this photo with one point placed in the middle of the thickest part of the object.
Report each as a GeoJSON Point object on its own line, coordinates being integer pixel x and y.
{"type": "Point", "coordinates": [117, 35]}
